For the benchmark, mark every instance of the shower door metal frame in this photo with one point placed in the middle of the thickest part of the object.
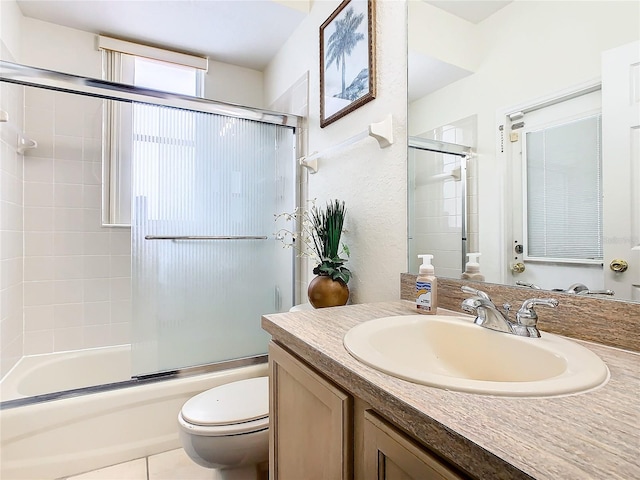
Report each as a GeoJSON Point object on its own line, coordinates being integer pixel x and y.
{"type": "Point", "coordinates": [18, 74]}
{"type": "Point", "coordinates": [92, 87]}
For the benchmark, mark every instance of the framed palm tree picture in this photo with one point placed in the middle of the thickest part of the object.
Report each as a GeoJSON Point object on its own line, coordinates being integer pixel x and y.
{"type": "Point", "coordinates": [347, 63]}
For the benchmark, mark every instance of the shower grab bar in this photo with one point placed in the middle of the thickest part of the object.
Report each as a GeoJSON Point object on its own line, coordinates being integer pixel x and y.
{"type": "Point", "coordinates": [204, 237]}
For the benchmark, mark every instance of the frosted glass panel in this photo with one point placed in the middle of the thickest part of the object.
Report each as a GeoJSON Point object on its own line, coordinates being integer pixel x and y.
{"type": "Point", "coordinates": [564, 191]}
{"type": "Point", "coordinates": [199, 301]}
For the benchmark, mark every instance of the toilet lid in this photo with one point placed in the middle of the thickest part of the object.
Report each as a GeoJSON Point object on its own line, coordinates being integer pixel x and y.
{"type": "Point", "coordinates": [235, 402]}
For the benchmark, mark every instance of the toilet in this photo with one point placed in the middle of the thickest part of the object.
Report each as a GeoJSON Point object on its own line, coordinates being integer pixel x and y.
{"type": "Point", "coordinates": [227, 428]}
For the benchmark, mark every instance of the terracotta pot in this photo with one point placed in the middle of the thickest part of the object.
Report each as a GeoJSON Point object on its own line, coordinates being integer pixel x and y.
{"type": "Point", "coordinates": [325, 292]}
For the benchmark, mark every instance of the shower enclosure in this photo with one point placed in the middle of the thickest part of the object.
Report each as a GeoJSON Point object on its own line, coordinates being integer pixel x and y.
{"type": "Point", "coordinates": [440, 205]}
{"type": "Point", "coordinates": [186, 282]}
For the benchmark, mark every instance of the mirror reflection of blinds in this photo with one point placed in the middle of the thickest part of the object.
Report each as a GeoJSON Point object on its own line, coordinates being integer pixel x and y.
{"type": "Point", "coordinates": [564, 191]}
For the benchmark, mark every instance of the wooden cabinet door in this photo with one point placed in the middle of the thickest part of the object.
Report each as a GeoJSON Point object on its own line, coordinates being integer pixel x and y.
{"type": "Point", "coordinates": [390, 455]}
{"type": "Point", "coordinates": [310, 423]}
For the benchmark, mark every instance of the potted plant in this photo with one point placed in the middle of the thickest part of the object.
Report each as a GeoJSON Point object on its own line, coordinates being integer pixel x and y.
{"type": "Point", "coordinates": [321, 232]}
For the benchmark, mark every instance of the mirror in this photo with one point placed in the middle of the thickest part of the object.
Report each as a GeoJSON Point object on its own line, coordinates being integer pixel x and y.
{"type": "Point", "coordinates": [471, 65]}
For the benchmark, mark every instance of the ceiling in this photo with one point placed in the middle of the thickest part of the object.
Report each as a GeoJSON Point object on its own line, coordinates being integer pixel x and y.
{"type": "Point", "coordinates": [247, 33]}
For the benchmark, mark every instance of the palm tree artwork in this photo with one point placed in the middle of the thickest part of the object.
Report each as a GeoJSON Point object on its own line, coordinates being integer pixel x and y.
{"type": "Point", "coordinates": [340, 45]}
{"type": "Point", "coordinates": [347, 64]}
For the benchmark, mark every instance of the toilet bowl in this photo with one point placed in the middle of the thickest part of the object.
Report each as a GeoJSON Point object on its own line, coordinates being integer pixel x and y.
{"type": "Point", "coordinates": [227, 428]}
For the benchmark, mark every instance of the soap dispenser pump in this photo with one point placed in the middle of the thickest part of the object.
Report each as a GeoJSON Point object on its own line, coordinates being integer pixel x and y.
{"type": "Point", "coordinates": [426, 287]}
{"type": "Point", "coordinates": [472, 269]}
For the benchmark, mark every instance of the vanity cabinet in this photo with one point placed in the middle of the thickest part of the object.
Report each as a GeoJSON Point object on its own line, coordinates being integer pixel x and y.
{"type": "Point", "coordinates": [311, 422]}
{"type": "Point", "coordinates": [319, 431]}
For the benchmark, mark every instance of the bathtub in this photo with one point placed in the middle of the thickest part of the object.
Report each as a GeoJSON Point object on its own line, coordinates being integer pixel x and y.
{"type": "Point", "coordinates": [68, 436]}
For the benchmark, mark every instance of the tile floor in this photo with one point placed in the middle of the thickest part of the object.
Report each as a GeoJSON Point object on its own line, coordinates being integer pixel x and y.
{"type": "Point", "coordinates": [172, 465]}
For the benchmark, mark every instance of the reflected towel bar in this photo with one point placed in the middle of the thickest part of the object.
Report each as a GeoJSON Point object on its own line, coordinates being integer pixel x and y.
{"type": "Point", "coordinates": [204, 237]}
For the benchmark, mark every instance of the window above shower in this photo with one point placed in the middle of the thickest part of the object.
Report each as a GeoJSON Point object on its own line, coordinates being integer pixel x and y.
{"type": "Point", "coordinates": [132, 129]}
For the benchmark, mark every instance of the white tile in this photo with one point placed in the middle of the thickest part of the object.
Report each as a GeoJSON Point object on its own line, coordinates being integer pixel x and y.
{"type": "Point", "coordinates": [68, 119]}
{"type": "Point", "coordinates": [68, 243]}
{"type": "Point", "coordinates": [92, 147]}
{"type": "Point", "coordinates": [11, 244]}
{"type": "Point", "coordinates": [38, 169]}
{"type": "Point", "coordinates": [38, 318]}
{"type": "Point", "coordinates": [96, 266]}
{"type": "Point", "coordinates": [97, 313]}
{"type": "Point", "coordinates": [38, 194]}
{"type": "Point", "coordinates": [68, 315]}
{"type": "Point", "coordinates": [97, 290]}
{"type": "Point", "coordinates": [120, 333]}
{"type": "Point", "coordinates": [92, 196]}
{"type": "Point", "coordinates": [92, 173]}
{"type": "Point", "coordinates": [38, 119]}
{"type": "Point", "coordinates": [38, 268]}
{"type": "Point", "coordinates": [133, 470]}
{"type": "Point", "coordinates": [70, 338]}
{"type": "Point", "coordinates": [67, 171]}
{"type": "Point", "coordinates": [11, 299]}
{"type": "Point", "coordinates": [176, 464]}
{"type": "Point", "coordinates": [121, 311]}
{"type": "Point", "coordinates": [69, 267]}
{"type": "Point", "coordinates": [68, 147]}
{"type": "Point", "coordinates": [38, 219]}
{"type": "Point", "coordinates": [39, 97]}
{"type": "Point", "coordinates": [38, 243]}
{"type": "Point", "coordinates": [68, 219]}
{"type": "Point", "coordinates": [120, 265]}
{"type": "Point", "coordinates": [68, 291]}
{"type": "Point", "coordinates": [38, 293]}
{"type": "Point", "coordinates": [121, 241]}
{"type": "Point", "coordinates": [96, 243]}
{"type": "Point", "coordinates": [68, 195]}
{"type": "Point", "coordinates": [40, 341]}
{"type": "Point", "coordinates": [120, 288]}
{"type": "Point", "coordinates": [96, 336]}
{"type": "Point", "coordinates": [92, 220]}
{"type": "Point", "coordinates": [10, 329]}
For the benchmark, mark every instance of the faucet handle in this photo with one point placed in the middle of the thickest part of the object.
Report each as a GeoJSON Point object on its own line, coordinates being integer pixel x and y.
{"type": "Point", "coordinates": [527, 316]}
{"type": "Point", "coordinates": [473, 291]}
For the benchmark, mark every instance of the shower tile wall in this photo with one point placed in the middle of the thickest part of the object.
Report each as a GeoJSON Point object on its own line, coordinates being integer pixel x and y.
{"type": "Point", "coordinates": [11, 225]}
{"type": "Point", "coordinates": [77, 276]}
{"type": "Point", "coordinates": [438, 205]}
{"type": "Point", "coordinates": [438, 212]}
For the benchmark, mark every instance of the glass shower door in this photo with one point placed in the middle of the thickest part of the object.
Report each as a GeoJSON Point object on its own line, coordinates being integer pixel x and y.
{"type": "Point", "coordinates": [205, 262]}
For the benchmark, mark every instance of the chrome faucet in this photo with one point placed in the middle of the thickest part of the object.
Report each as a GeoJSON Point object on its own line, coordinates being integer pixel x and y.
{"type": "Point", "coordinates": [527, 284]}
{"type": "Point", "coordinates": [488, 315]}
{"type": "Point", "coordinates": [581, 289]}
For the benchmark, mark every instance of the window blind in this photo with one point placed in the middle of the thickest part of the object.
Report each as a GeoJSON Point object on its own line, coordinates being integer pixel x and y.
{"type": "Point", "coordinates": [564, 191]}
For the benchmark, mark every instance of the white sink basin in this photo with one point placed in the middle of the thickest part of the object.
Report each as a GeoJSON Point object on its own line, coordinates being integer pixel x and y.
{"type": "Point", "coordinates": [455, 354]}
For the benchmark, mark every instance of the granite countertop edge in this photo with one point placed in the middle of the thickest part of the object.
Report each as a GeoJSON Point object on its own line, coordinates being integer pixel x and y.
{"type": "Point", "coordinates": [591, 435]}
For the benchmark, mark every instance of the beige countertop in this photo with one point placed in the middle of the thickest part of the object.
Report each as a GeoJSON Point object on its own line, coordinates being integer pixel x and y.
{"type": "Point", "coordinates": [594, 435]}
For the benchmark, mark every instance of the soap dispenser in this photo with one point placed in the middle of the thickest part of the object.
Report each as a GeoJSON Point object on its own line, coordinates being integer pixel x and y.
{"type": "Point", "coordinates": [472, 269]}
{"type": "Point", "coordinates": [426, 287]}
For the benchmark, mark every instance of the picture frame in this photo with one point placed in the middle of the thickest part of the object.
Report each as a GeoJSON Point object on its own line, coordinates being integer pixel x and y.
{"type": "Point", "coordinates": [347, 60]}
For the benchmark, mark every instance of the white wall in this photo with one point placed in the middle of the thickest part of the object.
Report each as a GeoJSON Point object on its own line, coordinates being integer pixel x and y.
{"type": "Point", "coordinates": [10, 26]}
{"type": "Point", "coordinates": [54, 47]}
{"type": "Point", "coordinates": [568, 38]}
{"type": "Point", "coordinates": [372, 181]}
